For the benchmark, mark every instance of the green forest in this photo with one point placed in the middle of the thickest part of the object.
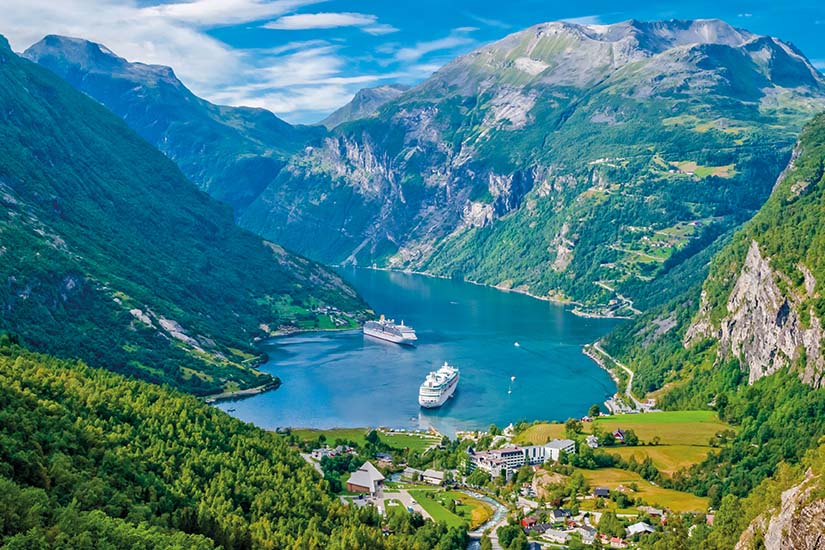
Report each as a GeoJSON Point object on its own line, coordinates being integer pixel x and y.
{"type": "Point", "coordinates": [90, 459]}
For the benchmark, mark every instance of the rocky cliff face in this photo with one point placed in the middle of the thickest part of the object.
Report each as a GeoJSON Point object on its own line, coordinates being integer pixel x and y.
{"type": "Point", "coordinates": [798, 523]}
{"type": "Point", "coordinates": [763, 325]}
{"type": "Point", "coordinates": [763, 300]}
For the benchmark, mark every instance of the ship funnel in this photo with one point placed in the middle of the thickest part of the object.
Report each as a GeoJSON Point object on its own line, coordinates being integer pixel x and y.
{"type": "Point", "coordinates": [382, 317]}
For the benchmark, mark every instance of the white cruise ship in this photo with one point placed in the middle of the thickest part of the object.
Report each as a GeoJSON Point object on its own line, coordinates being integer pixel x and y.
{"type": "Point", "coordinates": [438, 387]}
{"type": "Point", "coordinates": [386, 329]}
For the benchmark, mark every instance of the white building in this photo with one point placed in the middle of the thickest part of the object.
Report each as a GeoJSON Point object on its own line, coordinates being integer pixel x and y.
{"type": "Point", "coordinates": [513, 457]}
{"type": "Point", "coordinates": [555, 448]}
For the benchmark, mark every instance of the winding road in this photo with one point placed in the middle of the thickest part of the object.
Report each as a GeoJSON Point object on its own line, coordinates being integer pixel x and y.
{"type": "Point", "coordinates": [628, 392]}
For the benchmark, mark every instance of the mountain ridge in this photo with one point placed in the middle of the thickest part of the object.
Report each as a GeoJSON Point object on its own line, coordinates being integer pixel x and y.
{"type": "Point", "coordinates": [110, 254]}
{"type": "Point", "coordinates": [504, 140]}
{"type": "Point", "coordinates": [230, 152]}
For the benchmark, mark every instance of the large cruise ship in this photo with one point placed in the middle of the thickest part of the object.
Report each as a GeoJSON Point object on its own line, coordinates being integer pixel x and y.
{"type": "Point", "coordinates": [438, 387]}
{"type": "Point", "coordinates": [386, 329]}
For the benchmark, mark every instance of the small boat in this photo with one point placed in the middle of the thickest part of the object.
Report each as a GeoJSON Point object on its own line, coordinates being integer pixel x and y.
{"type": "Point", "coordinates": [517, 345]}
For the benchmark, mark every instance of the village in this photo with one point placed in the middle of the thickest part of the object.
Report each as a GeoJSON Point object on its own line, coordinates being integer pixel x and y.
{"type": "Point", "coordinates": [503, 484]}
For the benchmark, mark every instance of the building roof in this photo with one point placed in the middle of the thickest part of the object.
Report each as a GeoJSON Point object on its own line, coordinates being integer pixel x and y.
{"type": "Point", "coordinates": [366, 476]}
{"type": "Point", "coordinates": [559, 444]}
{"type": "Point", "coordinates": [601, 491]}
{"type": "Point", "coordinates": [639, 527]}
{"type": "Point", "coordinates": [437, 474]}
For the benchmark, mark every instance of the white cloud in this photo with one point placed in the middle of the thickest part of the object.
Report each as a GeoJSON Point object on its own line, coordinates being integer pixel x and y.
{"type": "Point", "coordinates": [488, 22]}
{"type": "Point", "coordinates": [305, 21]}
{"type": "Point", "coordinates": [294, 80]}
{"type": "Point", "coordinates": [585, 20]}
{"type": "Point", "coordinates": [380, 29]}
{"type": "Point", "coordinates": [225, 12]}
{"type": "Point", "coordinates": [458, 37]}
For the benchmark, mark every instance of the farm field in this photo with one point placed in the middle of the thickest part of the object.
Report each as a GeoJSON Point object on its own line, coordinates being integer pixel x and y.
{"type": "Point", "coordinates": [651, 494]}
{"type": "Point", "coordinates": [672, 428]}
{"type": "Point", "coordinates": [668, 459]}
{"type": "Point", "coordinates": [683, 436]}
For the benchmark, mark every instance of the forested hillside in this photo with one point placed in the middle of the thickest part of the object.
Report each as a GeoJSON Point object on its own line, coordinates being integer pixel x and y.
{"type": "Point", "coordinates": [748, 343]}
{"type": "Point", "coordinates": [91, 460]}
{"type": "Point", "coordinates": [230, 152]}
{"type": "Point", "coordinates": [109, 254]}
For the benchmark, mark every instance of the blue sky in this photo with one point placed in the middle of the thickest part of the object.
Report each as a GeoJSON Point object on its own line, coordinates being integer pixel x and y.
{"type": "Point", "coordinates": [304, 58]}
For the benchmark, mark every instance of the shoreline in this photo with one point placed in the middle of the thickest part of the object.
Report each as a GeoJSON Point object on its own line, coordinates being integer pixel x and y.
{"type": "Point", "coordinates": [240, 394]}
{"type": "Point", "coordinates": [561, 302]}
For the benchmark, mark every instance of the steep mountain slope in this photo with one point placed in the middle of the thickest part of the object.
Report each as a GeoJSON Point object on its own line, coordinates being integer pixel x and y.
{"type": "Point", "coordinates": [230, 152]}
{"type": "Point", "coordinates": [366, 103]}
{"type": "Point", "coordinates": [762, 303]}
{"type": "Point", "coordinates": [108, 253]}
{"type": "Point", "coordinates": [568, 161]}
{"type": "Point", "coordinates": [91, 460]}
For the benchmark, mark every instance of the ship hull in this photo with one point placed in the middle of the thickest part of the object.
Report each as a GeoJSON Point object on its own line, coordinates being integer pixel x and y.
{"type": "Point", "coordinates": [428, 402]}
{"type": "Point", "coordinates": [389, 337]}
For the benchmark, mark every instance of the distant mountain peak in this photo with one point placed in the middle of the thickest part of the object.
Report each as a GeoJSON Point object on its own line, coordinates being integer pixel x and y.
{"type": "Point", "coordinates": [88, 56]}
{"type": "Point", "coordinates": [364, 104]}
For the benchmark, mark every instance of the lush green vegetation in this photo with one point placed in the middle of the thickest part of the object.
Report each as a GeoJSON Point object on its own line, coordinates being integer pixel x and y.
{"type": "Point", "coordinates": [230, 152]}
{"type": "Point", "coordinates": [109, 254]}
{"type": "Point", "coordinates": [778, 418]}
{"type": "Point", "coordinates": [90, 459]}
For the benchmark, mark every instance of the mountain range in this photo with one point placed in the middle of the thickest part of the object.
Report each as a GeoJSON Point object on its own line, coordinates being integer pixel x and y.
{"type": "Point", "coordinates": [111, 255]}
{"type": "Point", "coordinates": [573, 162]}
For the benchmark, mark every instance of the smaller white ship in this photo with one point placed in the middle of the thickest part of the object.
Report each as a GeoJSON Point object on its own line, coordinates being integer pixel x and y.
{"type": "Point", "coordinates": [438, 387]}
{"type": "Point", "coordinates": [386, 329]}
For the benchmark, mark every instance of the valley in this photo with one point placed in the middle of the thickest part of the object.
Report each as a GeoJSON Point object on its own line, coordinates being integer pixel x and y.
{"type": "Point", "coordinates": [614, 232]}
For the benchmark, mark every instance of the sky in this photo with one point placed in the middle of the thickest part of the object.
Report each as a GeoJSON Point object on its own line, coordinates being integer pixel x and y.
{"type": "Point", "coordinates": [302, 59]}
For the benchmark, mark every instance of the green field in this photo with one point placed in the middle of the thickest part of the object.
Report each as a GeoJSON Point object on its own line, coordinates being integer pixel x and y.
{"type": "Point", "coordinates": [540, 434]}
{"type": "Point", "coordinates": [673, 428]}
{"type": "Point", "coordinates": [470, 512]}
{"type": "Point", "coordinates": [667, 458]}
{"type": "Point", "coordinates": [651, 494]}
{"type": "Point", "coordinates": [684, 436]}
{"type": "Point", "coordinates": [415, 442]}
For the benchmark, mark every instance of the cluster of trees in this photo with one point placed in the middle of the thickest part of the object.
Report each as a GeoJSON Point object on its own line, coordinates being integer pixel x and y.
{"type": "Point", "coordinates": [90, 459]}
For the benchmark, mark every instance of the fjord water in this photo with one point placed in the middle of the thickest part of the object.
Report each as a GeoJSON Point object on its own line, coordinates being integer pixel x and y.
{"type": "Point", "coordinates": [344, 379]}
